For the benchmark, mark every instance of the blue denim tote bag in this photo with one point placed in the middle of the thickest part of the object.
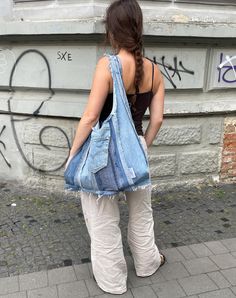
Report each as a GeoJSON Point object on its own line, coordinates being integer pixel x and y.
{"type": "Point", "coordinates": [112, 159]}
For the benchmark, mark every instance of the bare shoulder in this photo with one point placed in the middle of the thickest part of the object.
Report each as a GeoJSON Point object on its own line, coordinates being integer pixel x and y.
{"type": "Point", "coordinates": [157, 78]}
{"type": "Point", "coordinates": [103, 63]}
{"type": "Point", "coordinates": [149, 62]}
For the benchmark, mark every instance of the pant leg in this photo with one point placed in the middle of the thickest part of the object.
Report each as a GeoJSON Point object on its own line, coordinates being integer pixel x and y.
{"type": "Point", "coordinates": [140, 236]}
{"type": "Point", "coordinates": [108, 263]}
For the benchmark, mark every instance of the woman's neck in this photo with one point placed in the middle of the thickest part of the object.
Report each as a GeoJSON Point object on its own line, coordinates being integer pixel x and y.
{"type": "Point", "coordinates": [123, 52]}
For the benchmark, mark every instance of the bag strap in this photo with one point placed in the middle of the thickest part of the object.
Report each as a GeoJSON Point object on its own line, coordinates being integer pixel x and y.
{"type": "Point", "coordinates": [116, 72]}
{"type": "Point", "coordinates": [112, 70]}
{"type": "Point", "coordinates": [122, 88]}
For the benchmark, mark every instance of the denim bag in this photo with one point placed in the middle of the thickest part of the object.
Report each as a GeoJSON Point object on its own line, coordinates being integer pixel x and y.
{"type": "Point", "coordinates": [112, 159]}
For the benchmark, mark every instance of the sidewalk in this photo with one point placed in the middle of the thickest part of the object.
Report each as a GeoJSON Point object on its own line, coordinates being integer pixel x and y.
{"type": "Point", "coordinates": [204, 270]}
{"type": "Point", "coordinates": [45, 246]}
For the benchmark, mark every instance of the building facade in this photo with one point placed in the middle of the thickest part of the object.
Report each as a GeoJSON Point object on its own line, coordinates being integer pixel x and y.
{"type": "Point", "coordinates": [48, 53]}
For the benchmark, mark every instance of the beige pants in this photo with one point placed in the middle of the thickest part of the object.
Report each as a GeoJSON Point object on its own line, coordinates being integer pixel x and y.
{"type": "Point", "coordinates": [102, 218]}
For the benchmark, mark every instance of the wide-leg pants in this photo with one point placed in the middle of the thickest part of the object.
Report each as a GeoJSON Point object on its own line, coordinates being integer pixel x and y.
{"type": "Point", "coordinates": [102, 219]}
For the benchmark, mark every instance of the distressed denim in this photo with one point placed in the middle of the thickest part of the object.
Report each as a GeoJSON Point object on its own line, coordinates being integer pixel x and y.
{"type": "Point", "coordinates": [102, 219]}
{"type": "Point", "coordinates": [118, 161]}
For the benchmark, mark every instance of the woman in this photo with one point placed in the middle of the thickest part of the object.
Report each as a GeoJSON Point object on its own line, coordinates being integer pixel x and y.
{"type": "Point", "coordinates": [144, 86]}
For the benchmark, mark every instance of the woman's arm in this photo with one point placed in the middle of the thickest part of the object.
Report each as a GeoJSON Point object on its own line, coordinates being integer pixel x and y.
{"type": "Point", "coordinates": [97, 97]}
{"type": "Point", "coordinates": [156, 108]}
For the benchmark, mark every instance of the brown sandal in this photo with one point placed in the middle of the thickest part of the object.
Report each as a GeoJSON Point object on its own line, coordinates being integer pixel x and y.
{"type": "Point", "coordinates": [163, 259]}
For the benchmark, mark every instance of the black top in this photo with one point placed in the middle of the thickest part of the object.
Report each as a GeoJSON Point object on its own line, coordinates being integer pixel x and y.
{"type": "Point", "coordinates": [138, 109]}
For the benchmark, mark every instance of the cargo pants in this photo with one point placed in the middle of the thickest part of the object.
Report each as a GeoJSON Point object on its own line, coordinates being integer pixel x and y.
{"type": "Point", "coordinates": [102, 219]}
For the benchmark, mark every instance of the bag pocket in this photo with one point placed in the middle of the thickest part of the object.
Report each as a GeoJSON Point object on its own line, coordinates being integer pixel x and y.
{"type": "Point", "coordinates": [98, 152]}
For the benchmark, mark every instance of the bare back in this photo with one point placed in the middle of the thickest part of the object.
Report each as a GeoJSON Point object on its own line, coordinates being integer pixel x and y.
{"type": "Point", "coordinates": [128, 75]}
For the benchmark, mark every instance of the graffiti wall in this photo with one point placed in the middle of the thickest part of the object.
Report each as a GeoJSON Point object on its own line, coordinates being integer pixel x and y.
{"type": "Point", "coordinates": [43, 90]}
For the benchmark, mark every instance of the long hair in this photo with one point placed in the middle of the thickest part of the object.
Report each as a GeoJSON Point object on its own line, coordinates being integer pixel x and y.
{"type": "Point", "coordinates": [124, 29]}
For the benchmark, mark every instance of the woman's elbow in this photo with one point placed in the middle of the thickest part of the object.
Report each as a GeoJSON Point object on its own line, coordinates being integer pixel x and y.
{"type": "Point", "coordinates": [90, 119]}
{"type": "Point", "coordinates": [157, 122]}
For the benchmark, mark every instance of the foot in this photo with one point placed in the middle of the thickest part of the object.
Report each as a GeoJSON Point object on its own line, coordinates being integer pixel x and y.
{"type": "Point", "coordinates": [163, 259]}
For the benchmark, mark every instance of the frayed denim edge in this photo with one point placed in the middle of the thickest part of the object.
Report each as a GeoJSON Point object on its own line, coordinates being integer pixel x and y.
{"type": "Point", "coordinates": [120, 195]}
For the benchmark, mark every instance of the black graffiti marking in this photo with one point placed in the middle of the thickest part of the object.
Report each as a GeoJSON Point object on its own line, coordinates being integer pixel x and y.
{"type": "Point", "coordinates": [4, 146]}
{"type": "Point", "coordinates": [49, 75]}
{"type": "Point", "coordinates": [175, 69]}
{"type": "Point", "coordinates": [3, 128]}
{"type": "Point", "coordinates": [34, 114]}
{"type": "Point", "coordinates": [43, 145]}
{"type": "Point", "coordinates": [64, 56]}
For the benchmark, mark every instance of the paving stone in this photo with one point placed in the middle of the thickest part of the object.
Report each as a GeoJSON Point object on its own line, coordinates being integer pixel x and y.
{"type": "Point", "coordinates": [197, 284]}
{"type": "Point", "coordinates": [157, 277]}
{"type": "Point", "coordinates": [82, 271]}
{"type": "Point", "coordinates": [130, 263]}
{"type": "Point", "coordinates": [200, 265]}
{"type": "Point", "coordinates": [76, 289]}
{"type": "Point", "coordinates": [33, 280]}
{"type": "Point", "coordinates": [48, 292]}
{"type": "Point", "coordinates": [173, 255]}
{"type": "Point", "coordinates": [137, 281]}
{"type": "Point", "coordinates": [224, 261]}
{"type": "Point", "coordinates": [127, 294]}
{"type": "Point", "coordinates": [200, 250]}
{"type": "Point", "coordinates": [15, 295]}
{"type": "Point", "coordinates": [9, 285]}
{"type": "Point", "coordinates": [168, 289]}
{"type": "Point", "coordinates": [90, 269]}
{"type": "Point", "coordinates": [219, 279]}
{"type": "Point", "coordinates": [233, 289]}
{"type": "Point", "coordinates": [173, 271]}
{"type": "Point", "coordinates": [223, 293]}
{"type": "Point", "coordinates": [216, 247]}
{"type": "Point", "coordinates": [92, 287]}
{"type": "Point", "coordinates": [142, 292]}
{"type": "Point", "coordinates": [230, 275]}
{"type": "Point", "coordinates": [186, 252]}
{"type": "Point", "coordinates": [230, 243]}
{"type": "Point", "coordinates": [60, 275]}
{"type": "Point", "coordinates": [129, 286]}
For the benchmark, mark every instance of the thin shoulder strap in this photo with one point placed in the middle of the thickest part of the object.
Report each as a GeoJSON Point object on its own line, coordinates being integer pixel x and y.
{"type": "Point", "coordinates": [152, 74]}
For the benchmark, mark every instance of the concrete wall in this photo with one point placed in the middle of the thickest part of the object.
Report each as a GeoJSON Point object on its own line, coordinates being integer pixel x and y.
{"type": "Point", "coordinates": [48, 52]}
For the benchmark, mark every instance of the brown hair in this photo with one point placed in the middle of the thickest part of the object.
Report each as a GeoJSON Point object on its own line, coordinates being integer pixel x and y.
{"type": "Point", "coordinates": [124, 29]}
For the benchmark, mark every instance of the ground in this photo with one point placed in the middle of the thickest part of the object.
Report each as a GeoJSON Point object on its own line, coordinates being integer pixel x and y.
{"type": "Point", "coordinates": [47, 230]}
{"type": "Point", "coordinates": [41, 231]}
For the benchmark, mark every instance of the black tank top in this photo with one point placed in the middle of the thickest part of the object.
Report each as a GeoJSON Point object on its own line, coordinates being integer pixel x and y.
{"type": "Point", "coordinates": [143, 101]}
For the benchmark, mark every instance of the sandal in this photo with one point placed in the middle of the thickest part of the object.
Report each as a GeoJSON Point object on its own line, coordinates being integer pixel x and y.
{"type": "Point", "coordinates": [163, 259]}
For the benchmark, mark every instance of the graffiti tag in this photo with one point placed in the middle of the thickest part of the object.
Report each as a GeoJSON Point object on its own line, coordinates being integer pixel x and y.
{"type": "Point", "coordinates": [171, 71]}
{"type": "Point", "coordinates": [64, 56]}
{"type": "Point", "coordinates": [4, 147]}
{"type": "Point", "coordinates": [227, 70]}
